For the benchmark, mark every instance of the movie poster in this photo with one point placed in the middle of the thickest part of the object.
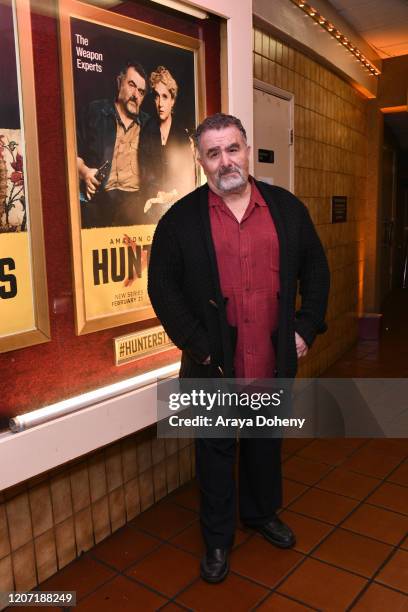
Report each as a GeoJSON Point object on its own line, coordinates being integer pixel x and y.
{"type": "Point", "coordinates": [134, 104]}
{"type": "Point", "coordinates": [19, 307]}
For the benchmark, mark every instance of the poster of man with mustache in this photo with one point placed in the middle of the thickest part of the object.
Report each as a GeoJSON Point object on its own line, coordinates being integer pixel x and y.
{"type": "Point", "coordinates": [133, 95]}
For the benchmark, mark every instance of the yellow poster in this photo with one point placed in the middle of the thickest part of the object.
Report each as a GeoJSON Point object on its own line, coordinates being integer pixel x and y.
{"type": "Point", "coordinates": [16, 291]}
{"type": "Point", "coordinates": [115, 262]}
{"type": "Point", "coordinates": [24, 319]}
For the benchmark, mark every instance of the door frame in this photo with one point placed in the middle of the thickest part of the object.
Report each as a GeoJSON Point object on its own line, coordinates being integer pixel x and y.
{"type": "Point", "coordinates": [289, 97]}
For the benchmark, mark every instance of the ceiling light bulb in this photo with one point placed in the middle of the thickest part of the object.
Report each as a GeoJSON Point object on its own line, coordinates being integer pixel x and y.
{"type": "Point", "coordinates": [330, 27]}
{"type": "Point", "coordinates": [312, 11]}
{"type": "Point", "coordinates": [322, 20]}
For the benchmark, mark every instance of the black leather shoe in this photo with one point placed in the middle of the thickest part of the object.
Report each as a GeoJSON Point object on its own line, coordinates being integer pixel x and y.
{"type": "Point", "coordinates": [277, 533]}
{"type": "Point", "coordinates": [215, 565]}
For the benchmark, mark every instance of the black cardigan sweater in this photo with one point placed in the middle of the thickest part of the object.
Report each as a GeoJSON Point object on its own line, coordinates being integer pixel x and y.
{"type": "Point", "coordinates": [184, 288]}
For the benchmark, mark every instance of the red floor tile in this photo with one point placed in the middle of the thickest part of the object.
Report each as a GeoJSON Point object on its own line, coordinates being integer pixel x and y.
{"type": "Point", "coordinates": [280, 603]}
{"type": "Point", "coordinates": [164, 520]}
{"type": "Point", "coordinates": [371, 463]}
{"type": "Point", "coordinates": [397, 447]}
{"type": "Point", "coordinates": [293, 445]}
{"type": "Point", "coordinates": [378, 523]}
{"type": "Point", "coordinates": [391, 496]}
{"type": "Point", "coordinates": [167, 570]}
{"type": "Point", "coordinates": [323, 505]}
{"type": "Point", "coordinates": [400, 476]}
{"type": "Point", "coordinates": [191, 539]}
{"type": "Point", "coordinates": [187, 496]}
{"type": "Point", "coordinates": [173, 607]}
{"type": "Point", "coordinates": [234, 593]}
{"type": "Point", "coordinates": [309, 532]}
{"type": "Point", "coordinates": [303, 470]}
{"type": "Point", "coordinates": [380, 599]}
{"type": "Point", "coordinates": [125, 547]}
{"type": "Point", "coordinates": [395, 573]}
{"type": "Point", "coordinates": [349, 484]}
{"type": "Point", "coordinates": [332, 451]}
{"type": "Point", "coordinates": [121, 594]}
{"type": "Point", "coordinates": [353, 552]}
{"type": "Point", "coordinates": [405, 544]}
{"type": "Point", "coordinates": [322, 586]}
{"type": "Point", "coordinates": [43, 608]}
{"type": "Point", "coordinates": [83, 576]}
{"type": "Point", "coordinates": [291, 490]}
{"type": "Point", "coordinates": [259, 560]}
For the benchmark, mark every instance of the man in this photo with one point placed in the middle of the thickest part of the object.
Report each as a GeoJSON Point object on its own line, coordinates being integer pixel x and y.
{"type": "Point", "coordinates": [108, 162]}
{"type": "Point", "coordinates": [224, 267]}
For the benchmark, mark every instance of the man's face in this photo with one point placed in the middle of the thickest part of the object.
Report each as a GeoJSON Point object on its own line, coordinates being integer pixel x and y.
{"type": "Point", "coordinates": [224, 156]}
{"type": "Point", "coordinates": [132, 89]}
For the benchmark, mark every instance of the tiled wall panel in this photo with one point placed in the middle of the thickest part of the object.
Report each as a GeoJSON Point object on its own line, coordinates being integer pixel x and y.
{"type": "Point", "coordinates": [330, 125]}
{"type": "Point", "coordinates": [50, 520]}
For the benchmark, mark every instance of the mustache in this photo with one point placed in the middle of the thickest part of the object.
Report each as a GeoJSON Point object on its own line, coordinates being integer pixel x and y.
{"type": "Point", "coordinates": [229, 169]}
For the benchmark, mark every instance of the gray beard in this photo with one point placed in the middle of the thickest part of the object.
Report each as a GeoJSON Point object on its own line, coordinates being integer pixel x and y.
{"type": "Point", "coordinates": [229, 184]}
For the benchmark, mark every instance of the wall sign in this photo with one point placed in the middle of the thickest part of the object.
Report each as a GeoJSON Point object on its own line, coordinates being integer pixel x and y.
{"type": "Point", "coordinates": [266, 156]}
{"type": "Point", "coordinates": [140, 344]}
{"type": "Point", "coordinates": [339, 209]}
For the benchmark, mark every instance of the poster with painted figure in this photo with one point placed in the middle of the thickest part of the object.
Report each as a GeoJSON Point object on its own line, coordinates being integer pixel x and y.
{"type": "Point", "coordinates": [133, 96]}
{"type": "Point", "coordinates": [23, 291]}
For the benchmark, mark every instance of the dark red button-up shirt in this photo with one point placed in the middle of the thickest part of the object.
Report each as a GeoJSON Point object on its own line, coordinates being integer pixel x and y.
{"type": "Point", "coordinates": [248, 265]}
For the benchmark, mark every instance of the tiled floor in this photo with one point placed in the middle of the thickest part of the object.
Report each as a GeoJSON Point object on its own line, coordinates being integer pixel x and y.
{"type": "Point", "coordinates": [347, 501]}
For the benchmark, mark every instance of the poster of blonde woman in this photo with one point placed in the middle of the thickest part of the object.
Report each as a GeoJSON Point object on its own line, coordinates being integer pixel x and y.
{"type": "Point", "coordinates": [133, 90]}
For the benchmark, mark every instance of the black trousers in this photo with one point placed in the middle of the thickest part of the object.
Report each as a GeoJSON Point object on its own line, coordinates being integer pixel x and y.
{"type": "Point", "coordinates": [259, 485]}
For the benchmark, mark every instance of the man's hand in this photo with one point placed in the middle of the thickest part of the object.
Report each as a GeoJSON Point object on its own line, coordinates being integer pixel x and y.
{"type": "Point", "coordinates": [301, 346]}
{"type": "Point", "coordinates": [207, 361]}
{"type": "Point", "coordinates": [88, 176]}
{"type": "Point", "coordinates": [91, 183]}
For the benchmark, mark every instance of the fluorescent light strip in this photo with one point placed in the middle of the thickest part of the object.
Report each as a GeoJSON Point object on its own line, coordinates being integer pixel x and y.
{"type": "Point", "coordinates": [53, 411]}
{"type": "Point", "coordinates": [183, 8]}
{"type": "Point", "coordinates": [310, 11]}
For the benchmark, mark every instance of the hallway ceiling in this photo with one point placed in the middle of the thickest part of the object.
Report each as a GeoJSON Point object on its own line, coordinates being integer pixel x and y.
{"type": "Point", "coordinates": [382, 23]}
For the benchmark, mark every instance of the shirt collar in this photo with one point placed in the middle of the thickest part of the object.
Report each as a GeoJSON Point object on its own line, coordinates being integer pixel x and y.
{"type": "Point", "coordinates": [256, 198]}
{"type": "Point", "coordinates": [119, 120]}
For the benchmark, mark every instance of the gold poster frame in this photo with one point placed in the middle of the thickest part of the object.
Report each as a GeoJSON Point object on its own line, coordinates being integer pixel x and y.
{"type": "Point", "coordinates": [76, 9]}
{"type": "Point", "coordinates": [41, 331]}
